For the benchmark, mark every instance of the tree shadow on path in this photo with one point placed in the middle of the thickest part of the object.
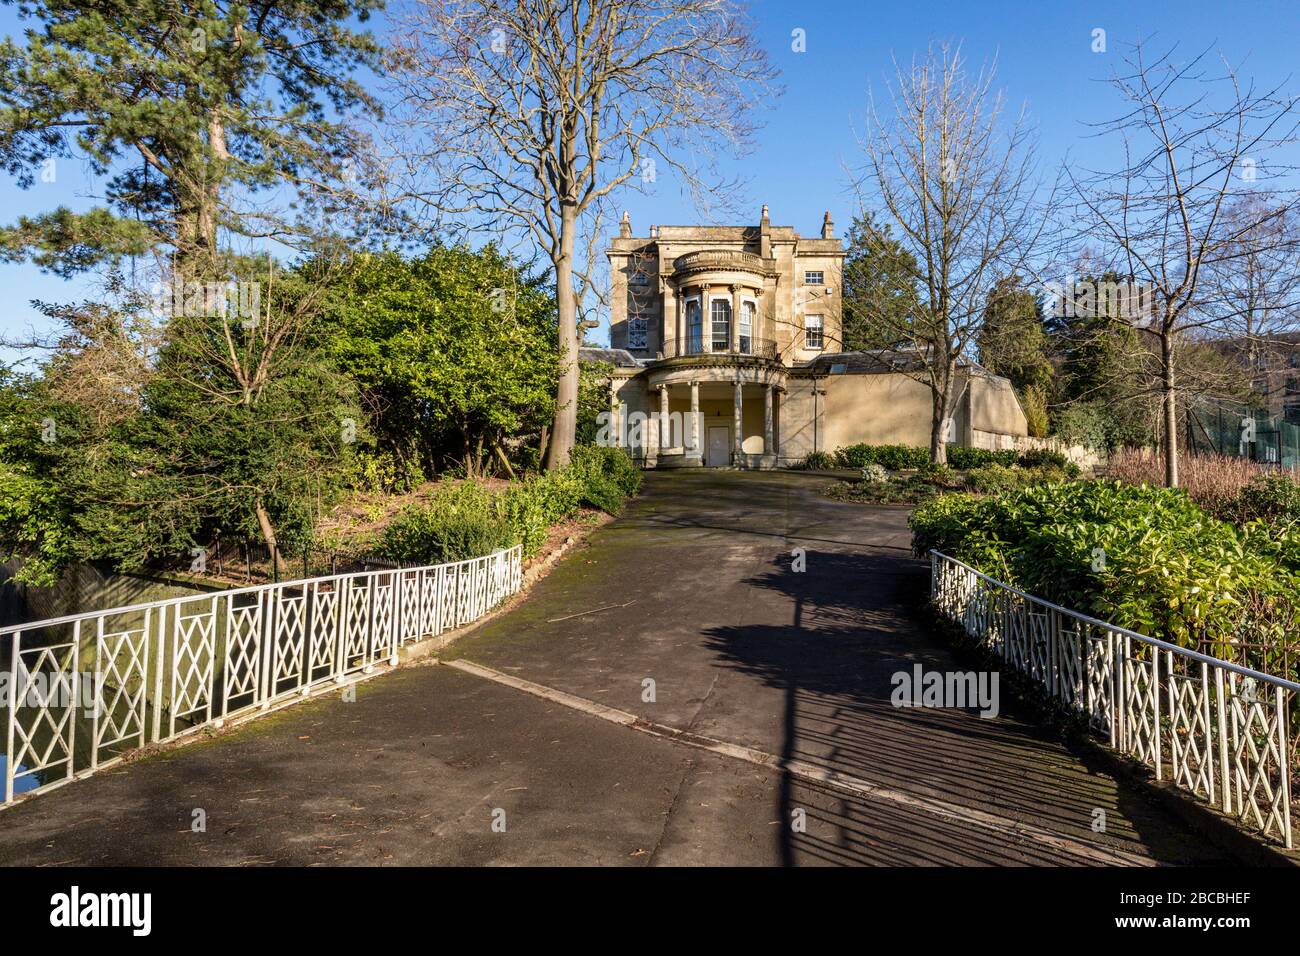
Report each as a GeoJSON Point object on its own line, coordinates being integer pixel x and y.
{"type": "Point", "coordinates": [853, 627]}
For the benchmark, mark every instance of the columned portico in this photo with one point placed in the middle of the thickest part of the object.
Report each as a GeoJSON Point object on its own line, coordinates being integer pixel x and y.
{"type": "Point", "coordinates": [719, 410]}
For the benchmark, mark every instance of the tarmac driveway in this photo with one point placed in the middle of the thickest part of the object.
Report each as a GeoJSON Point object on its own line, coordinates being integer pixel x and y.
{"type": "Point", "coordinates": [708, 681]}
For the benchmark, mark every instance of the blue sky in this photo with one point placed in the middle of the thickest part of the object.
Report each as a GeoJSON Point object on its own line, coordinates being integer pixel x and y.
{"type": "Point", "coordinates": [1045, 60]}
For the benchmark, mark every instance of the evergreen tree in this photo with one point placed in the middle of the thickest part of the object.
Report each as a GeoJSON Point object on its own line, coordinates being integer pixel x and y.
{"type": "Point", "coordinates": [1012, 340]}
{"type": "Point", "coordinates": [879, 287]}
{"type": "Point", "coordinates": [185, 109]}
{"type": "Point", "coordinates": [455, 353]}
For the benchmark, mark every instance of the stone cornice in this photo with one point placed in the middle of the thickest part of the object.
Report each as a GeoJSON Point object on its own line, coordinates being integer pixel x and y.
{"type": "Point", "coordinates": [715, 367]}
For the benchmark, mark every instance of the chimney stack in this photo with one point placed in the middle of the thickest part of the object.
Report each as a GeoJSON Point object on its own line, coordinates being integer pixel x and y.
{"type": "Point", "coordinates": [625, 227]}
{"type": "Point", "coordinates": [828, 227]}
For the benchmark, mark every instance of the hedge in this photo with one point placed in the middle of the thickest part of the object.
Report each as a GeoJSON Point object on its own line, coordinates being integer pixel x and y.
{"type": "Point", "coordinates": [893, 457]}
{"type": "Point", "coordinates": [962, 458]}
{"type": "Point", "coordinates": [1144, 558]}
{"type": "Point", "coordinates": [899, 457]}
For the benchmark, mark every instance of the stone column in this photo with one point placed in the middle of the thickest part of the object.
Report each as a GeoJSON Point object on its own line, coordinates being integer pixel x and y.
{"type": "Point", "coordinates": [706, 322]}
{"type": "Point", "coordinates": [665, 432]}
{"type": "Point", "coordinates": [738, 413]}
{"type": "Point", "coordinates": [735, 318]}
{"type": "Point", "coordinates": [667, 318]}
{"type": "Point", "coordinates": [695, 418]}
{"type": "Point", "coordinates": [769, 445]}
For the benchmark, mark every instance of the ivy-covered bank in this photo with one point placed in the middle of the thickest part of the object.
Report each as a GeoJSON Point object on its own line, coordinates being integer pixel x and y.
{"type": "Point", "coordinates": [1145, 558]}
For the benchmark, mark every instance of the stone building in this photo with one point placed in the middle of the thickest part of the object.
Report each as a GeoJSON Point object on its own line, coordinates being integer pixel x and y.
{"type": "Point", "coordinates": [726, 347]}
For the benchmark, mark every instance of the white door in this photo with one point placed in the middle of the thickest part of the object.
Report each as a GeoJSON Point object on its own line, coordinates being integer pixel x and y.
{"type": "Point", "coordinates": [719, 448]}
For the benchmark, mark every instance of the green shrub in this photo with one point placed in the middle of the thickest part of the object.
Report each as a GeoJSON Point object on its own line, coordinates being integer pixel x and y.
{"type": "Point", "coordinates": [855, 456]}
{"type": "Point", "coordinates": [466, 520]}
{"type": "Point", "coordinates": [892, 457]}
{"type": "Point", "coordinates": [1043, 456]}
{"type": "Point", "coordinates": [993, 479]}
{"type": "Point", "coordinates": [1141, 557]}
{"type": "Point", "coordinates": [818, 460]}
{"type": "Point", "coordinates": [936, 474]}
{"type": "Point", "coordinates": [1044, 473]}
{"type": "Point", "coordinates": [459, 522]}
{"type": "Point", "coordinates": [383, 471]}
{"type": "Point", "coordinates": [614, 464]}
{"type": "Point", "coordinates": [895, 490]}
{"type": "Point", "coordinates": [602, 493]}
{"type": "Point", "coordinates": [963, 458]}
{"type": "Point", "coordinates": [875, 473]}
{"type": "Point", "coordinates": [1267, 498]}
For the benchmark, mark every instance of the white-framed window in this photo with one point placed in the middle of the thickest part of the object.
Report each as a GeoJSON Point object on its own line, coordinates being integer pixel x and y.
{"type": "Point", "coordinates": [694, 328]}
{"type": "Point", "coordinates": [747, 310]}
{"type": "Point", "coordinates": [814, 278]}
{"type": "Point", "coordinates": [720, 314]}
{"type": "Point", "coordinates": [638, 331]}
{"type": "Point", "coordinates": [812, 332]}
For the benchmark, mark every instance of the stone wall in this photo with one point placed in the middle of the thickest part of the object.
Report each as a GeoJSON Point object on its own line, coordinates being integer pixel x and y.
{"type": "Point", "coordinates": [1086, 458]}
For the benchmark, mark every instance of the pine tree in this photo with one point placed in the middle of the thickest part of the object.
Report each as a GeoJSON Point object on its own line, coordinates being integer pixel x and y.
{"type": "Point", "coordinates": [185, 109]}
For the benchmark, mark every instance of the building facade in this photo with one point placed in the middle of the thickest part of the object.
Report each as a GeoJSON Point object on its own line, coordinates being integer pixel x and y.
{"type": "Point", "coordinates": [726, 348]}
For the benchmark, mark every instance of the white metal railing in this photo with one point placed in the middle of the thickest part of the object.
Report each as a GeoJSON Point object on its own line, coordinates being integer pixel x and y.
{"type": "Point", "coordinates": [160, 670]}
{"type": "Point", "coordinates": [1216, 729]}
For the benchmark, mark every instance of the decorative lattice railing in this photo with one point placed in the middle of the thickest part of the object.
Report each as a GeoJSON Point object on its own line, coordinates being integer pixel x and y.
{"type": "Point", "coordinates": [1216, 729]}
{"type": "Point", "coordinates": [79, 692]}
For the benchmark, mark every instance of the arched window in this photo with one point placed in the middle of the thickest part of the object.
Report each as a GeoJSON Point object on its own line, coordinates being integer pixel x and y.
{"type": "Point", "coordinates": [694, 329]}
{"type": "Point", "coordinates": [746, 327]}
{"type": "Point", "coordinates": [720, 310]}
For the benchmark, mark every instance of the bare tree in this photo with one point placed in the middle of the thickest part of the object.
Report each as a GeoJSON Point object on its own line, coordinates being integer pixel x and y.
{"type": "Point", "coordinates": [527, 115]}
{"type": "Point", "coordinates": [1253, 289]}
{"type": "Point", "coordinates": [949, 193]}
{"type": "Point", "coordinates": [1195, 141]}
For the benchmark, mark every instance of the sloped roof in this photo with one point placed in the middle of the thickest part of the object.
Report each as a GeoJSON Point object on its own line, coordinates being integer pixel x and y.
{"type": "Point", "coordinates": [620, 358]}
{"type": "Point", "coordinates": [876, 361]}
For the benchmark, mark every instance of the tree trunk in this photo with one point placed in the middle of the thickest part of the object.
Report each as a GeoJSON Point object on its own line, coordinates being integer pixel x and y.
{"type": "Point", "coordinates": [467, 457]}
{"type": "Point", "coordinates": [543, 443]}
{"type": "Point", "coordinates": [268, 535]}
{"type": "Point", "coordinates": [505, 462]}
{"type": "Point", "coordinates": [941, 400]}
{"type": "Point", "coordinates": [566, 400]}
{"type": "Point", "coordinates": [1169, 405]}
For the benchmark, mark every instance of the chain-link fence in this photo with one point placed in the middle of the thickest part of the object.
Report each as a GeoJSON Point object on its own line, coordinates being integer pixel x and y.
{"type": "Point", "coordinates": [1219, 426]}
